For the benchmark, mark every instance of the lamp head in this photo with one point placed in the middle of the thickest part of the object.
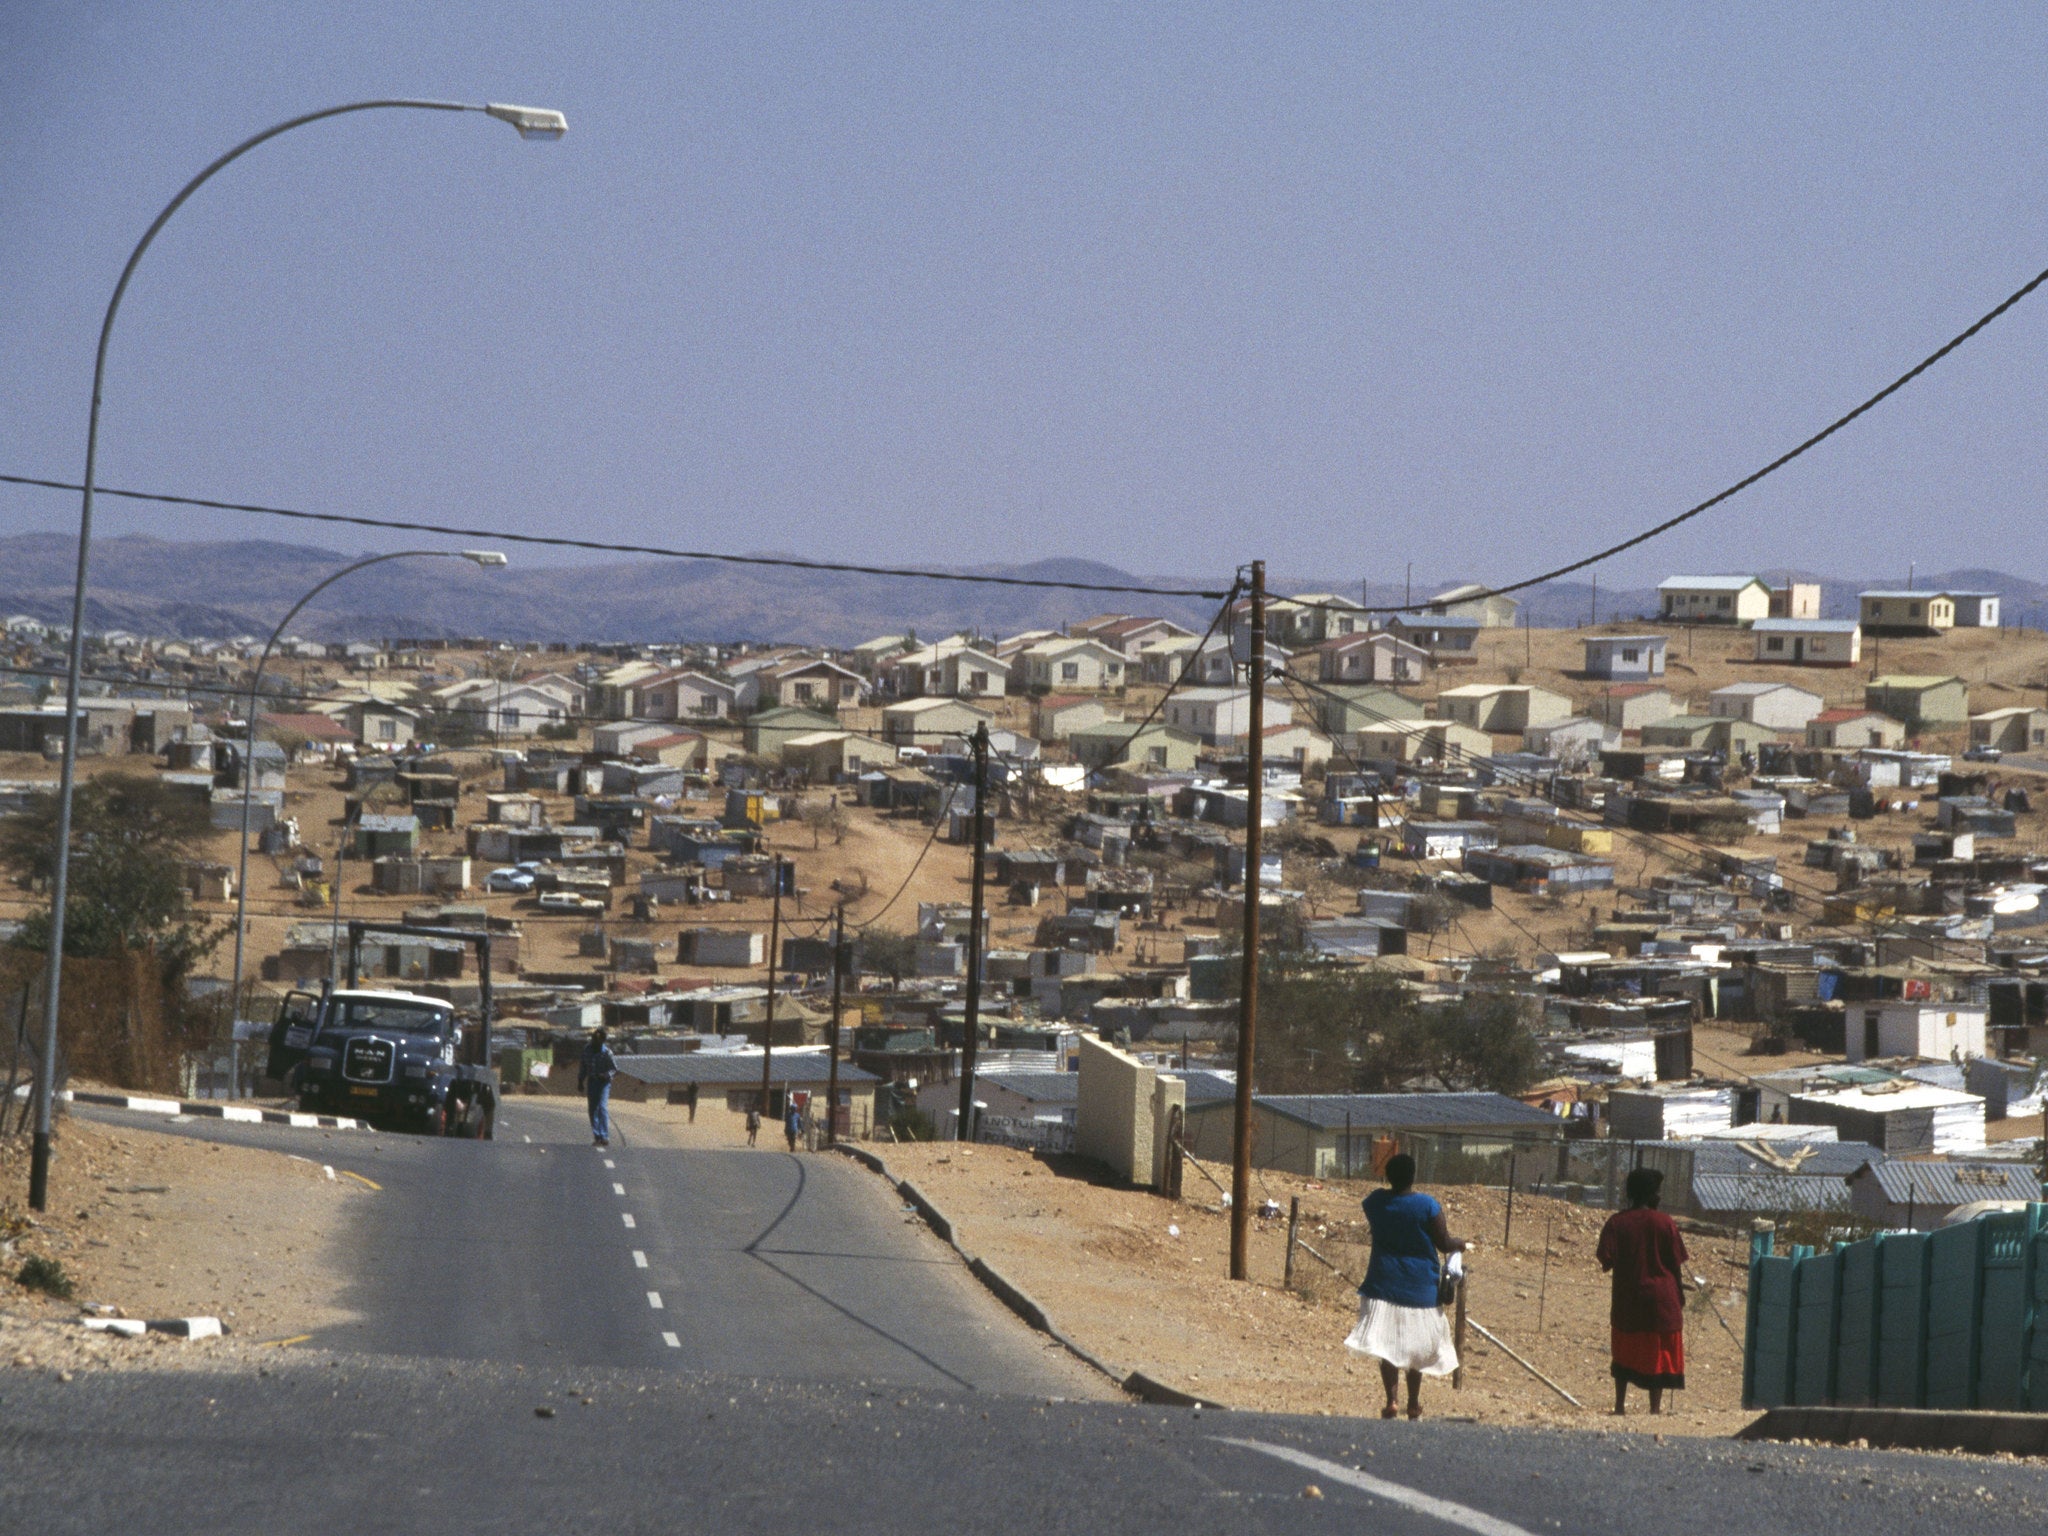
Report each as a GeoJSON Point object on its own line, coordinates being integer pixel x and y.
{"type": "Point", "coordinates": [532, 122]}
{"type": "Point", "coordinates": [483, 556]}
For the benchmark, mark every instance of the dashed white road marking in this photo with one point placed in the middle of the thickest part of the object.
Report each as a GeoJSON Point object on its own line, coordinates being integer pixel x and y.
{"type": "Point", "coordinates": [1475, 1520]}
{"type": "Point", "coordinates": [639, 1259]}
{"type": "Point", "coordinates": [609, 1163]}
{"type": "Point", "coordinates": [654, 1300]}
{"type": "Point", "coordinates": [527, 1139]}
{"type": "Point", "coordinates": [626, 1217]}
{"type": "Point", "coordinates": [671, 1341]}
{"type": "Point", "coordinates": [618, 1189]}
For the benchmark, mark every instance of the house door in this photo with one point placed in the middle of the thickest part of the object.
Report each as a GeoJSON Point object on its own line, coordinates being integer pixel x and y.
{"type": "Point", "coordinates": [1798, 649]}
{"type": "Point", "coordinates": [1870, 1046]}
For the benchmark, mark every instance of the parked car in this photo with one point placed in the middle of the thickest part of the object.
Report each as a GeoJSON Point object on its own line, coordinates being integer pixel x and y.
{"type": "Point", "coordinates": [569, 901]}
{"type": "Point", "coordinates": [517, 881]}
{"type": "Point", "coordinates": [1982, 755]}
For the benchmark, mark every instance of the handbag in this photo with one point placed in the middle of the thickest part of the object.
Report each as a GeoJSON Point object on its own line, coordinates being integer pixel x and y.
{"type": "Point", "coordinates": [1449, 1278]}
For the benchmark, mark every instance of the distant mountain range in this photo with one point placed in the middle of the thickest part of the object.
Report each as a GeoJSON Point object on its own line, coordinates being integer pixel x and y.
{"type": "Point", "coordinates": [166, 587]}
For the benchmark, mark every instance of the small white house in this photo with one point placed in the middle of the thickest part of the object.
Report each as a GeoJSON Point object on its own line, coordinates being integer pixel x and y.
{"type": "Point", "coordinates": [1809, 642]}
{"type": "Point", "coordinates": [1069, 665]}
{"type": "Point", "coordinates": [1627, 658]}
{"type": "Point", "coordinates": [1219, 716]}
{"type": "Point", "coordinates": [1776, 706]}
{"type": "Point", "coordinates": [1714, 599]}
{"type": "Point", "coordinates": [1934, 1031]}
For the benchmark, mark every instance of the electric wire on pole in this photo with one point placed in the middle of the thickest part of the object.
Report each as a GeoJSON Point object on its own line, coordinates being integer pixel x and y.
{"type": "Point", "coordinates": [972, 1031]}
{"type": "Point", "coordinates": [832, 1061]}
{"type": "Point", "coordinates": [774, 937]}
{"type": "Point", "coordinates": [1248, 999]}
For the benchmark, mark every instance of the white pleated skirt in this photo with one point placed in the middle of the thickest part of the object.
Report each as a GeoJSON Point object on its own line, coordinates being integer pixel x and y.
{"type": "Point", "coordinates": [1412, 1338]}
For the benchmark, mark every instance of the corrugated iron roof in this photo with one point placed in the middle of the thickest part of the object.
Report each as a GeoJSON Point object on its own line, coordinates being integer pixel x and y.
{"type": "Point", "coordinates": [1904, 1182]}
{"type": "Point", "coordinates": [1767, 1192]}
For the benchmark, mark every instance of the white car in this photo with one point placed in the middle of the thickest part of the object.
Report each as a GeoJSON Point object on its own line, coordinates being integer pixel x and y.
{"type": "Point", "coordinates": [569, 901]}
{"type": "Point", "coordinates": [517, 881]}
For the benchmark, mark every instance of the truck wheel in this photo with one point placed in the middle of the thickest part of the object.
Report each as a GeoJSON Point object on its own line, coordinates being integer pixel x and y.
{"type": "Point", "coordinates": [434, 1122]}
{"type": "Point", "coordinates": [488, 1127]}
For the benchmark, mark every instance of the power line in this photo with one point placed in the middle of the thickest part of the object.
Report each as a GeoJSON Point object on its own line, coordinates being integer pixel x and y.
{"type": "Point", "coordinates": [1656, 530]}
{"type": "Point", "coordinates": [785, 562]}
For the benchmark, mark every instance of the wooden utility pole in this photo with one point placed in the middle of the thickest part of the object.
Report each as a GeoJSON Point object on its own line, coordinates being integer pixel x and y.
{"type": "Point", "coordinates": [774, 938]}
{"type": "Point", "coordinates": [1248, 991]}
{"type": "Point", "coordinates": [832, 1064]}
{"type": "Point", "coordinates": [974, 934]}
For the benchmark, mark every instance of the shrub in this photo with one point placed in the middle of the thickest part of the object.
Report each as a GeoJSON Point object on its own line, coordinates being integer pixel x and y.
{"type": "Point", "coordinates": [45, 1275]}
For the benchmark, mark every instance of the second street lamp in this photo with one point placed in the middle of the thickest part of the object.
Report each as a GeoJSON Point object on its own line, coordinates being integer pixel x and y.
{"type": "Point", "coordinates": [482, 557]}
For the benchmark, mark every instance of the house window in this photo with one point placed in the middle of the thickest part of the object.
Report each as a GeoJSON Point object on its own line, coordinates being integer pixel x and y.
{"type": "Point", "coordinates": [978, 681]}
{"type": "Point", "coordinates": [1721, 603]}
{"type": "Point", "coordinates": [1913, 611]}
{"type": "Point", "coordinates": [387, 730]}
{"type": "Point", "coordinates": [1070, 671]}
{"type": "Point", "coordinates": [802, 691]}
{"type": "Point", "coordinates": [1775, 644]}
{"type": "Point", "coordinates": [1156, 756]}
{"type": "Point", "coordinates": [1630, 654]}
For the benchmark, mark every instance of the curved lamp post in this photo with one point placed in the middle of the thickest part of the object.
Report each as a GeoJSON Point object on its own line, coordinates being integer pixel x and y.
{"type": "Point", "coordinates": [483, 557]}
{"type": "Point", "coordinates": [532, 123]}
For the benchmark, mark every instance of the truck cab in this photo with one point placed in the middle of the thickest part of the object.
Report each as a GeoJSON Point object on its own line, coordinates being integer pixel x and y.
{"type": "Point", "coordinates": [396, 1059]}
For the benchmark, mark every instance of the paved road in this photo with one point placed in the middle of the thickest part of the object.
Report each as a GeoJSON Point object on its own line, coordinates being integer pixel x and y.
{"type": "Point", "coordinates": [831, 1371]}
{"type": "Point", "coordinates": [373, 1444]}
{"type": "Point", "coordinates": [537, 1248]}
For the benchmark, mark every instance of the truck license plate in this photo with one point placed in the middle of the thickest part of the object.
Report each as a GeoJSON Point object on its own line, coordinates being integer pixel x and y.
{"type": "Point", "coordinates": [366, 1093]}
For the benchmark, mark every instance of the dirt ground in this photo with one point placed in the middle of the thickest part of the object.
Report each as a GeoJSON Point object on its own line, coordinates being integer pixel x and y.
{"type": "Point", "coordinates": [1109, 1266]}
{"type": "Point", "coordinates": [155, 1225]}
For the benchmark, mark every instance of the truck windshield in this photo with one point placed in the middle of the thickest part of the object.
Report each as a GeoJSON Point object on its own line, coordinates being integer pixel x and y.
{"type": "Point", "coordinates": [391, 1014]}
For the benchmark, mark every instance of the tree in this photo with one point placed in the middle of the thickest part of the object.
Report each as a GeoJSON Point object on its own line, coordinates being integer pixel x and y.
{"type": "Point", "coordinates": [130, 839]}
{"type": "Point", "coordinates": [1338, 1029]}
{"type": "Point", "coordinates": [895, 953]}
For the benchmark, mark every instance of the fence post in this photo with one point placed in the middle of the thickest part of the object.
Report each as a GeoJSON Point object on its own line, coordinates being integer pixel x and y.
{"type": "Point", "coordinates": [1458, 1336]}
{"type": "Point", "coordinates": [1293, 1223]}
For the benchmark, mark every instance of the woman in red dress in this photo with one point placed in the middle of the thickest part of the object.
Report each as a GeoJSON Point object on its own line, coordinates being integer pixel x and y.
{"type": "Point", "coordinates": [1641, 1248]}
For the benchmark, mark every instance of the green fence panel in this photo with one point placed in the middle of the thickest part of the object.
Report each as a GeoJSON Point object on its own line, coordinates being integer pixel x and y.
{"type": "Point", "coordinates": [1901, 1319]}
{"type": "Point", "coordinates": [1856, 1327]}
{"type": "Point", "coordinates": [1955, 1309]}
{"type": "Point", "coordinates": [2037, 1328]}
{"type": "Point", "coordinates": [1813, 1343]}
{"type": "Point", "coordinates": [1772, 1320]}
{"type": "Point", "coordinates": [2008, 1245]}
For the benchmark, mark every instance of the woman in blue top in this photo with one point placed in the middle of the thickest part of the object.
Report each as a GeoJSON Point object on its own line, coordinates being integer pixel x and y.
{"type": "Point", "coordinates": [1399, 1321]}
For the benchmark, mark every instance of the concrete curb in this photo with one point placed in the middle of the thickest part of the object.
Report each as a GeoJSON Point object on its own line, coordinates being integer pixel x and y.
{"type": "Point", "coordinates": [201, 1109]}
{"type": "Point", "coordinates": [177, 1327]}
{"type": "Point", "coordinates": [1978, 1431]}
{"type": "Point", "coordinates": [1012, 1295]}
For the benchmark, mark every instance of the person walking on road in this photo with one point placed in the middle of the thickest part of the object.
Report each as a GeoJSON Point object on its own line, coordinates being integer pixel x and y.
{"type": "Point", "coordinates": [793, 1124]}
{"type": "Point", "coordinates": [1641, 1248]}
{"type": "Point", "coordinates": [753, 1124]}
{"type": "Point", "coordinates": [1400, 1322]}
{"type": "Point", "coordinates": [594, 1076]}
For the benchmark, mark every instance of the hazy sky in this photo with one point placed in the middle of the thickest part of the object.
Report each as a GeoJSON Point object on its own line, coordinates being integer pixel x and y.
{"type": "Point", "coordinates": [1170, 287]}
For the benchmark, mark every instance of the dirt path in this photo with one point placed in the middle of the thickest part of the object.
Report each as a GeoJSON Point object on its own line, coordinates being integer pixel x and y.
{"type": "Point", "coordinates": [158, 1225]}
{"type": "Point", "coordinates": [1143, 1282]}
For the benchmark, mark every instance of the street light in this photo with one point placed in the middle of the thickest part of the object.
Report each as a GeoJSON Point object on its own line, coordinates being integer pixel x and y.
{"type": "Point", "coordinates": [482, 557]}
{"type": "Point", "coordinates": [532, 123]}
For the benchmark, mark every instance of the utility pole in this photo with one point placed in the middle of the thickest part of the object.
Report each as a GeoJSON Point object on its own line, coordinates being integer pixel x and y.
{"type": "Point", "coordinates": [1408, 587]}
{"type": "Point", "coordinates": [774, 937]}
{"type": "Point", "coordinates": [832, 1064]}
{"type": "Point", "coordinates": [1248, 990]}
{"type": "Point", "coordinates": [1594, 601]}
{"type": "Point", "coordinates": [974, 934]}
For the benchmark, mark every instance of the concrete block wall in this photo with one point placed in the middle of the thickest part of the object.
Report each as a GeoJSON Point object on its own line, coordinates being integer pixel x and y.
{"type": "Point", "coordinates": [1113, 1120]}
{"type": "Point", "coordinates": [1168, 1094]}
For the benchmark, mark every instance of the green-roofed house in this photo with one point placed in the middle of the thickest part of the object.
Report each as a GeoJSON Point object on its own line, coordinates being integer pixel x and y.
{"type": "Point", "coordinates": [1119, 743]}
{"type": "Point", "coordinates": [771, 729]}
{"type": "Point", "coordinates": [1937, 703]}
{"type": "Point", "coordinates": [1708, 733]}
{"type": "Point", "coordinates": [1346, 710]}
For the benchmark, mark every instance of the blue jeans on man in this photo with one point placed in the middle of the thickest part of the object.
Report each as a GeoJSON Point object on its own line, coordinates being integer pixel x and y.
{"type": "Point", "coordinates": [599, 1095]}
